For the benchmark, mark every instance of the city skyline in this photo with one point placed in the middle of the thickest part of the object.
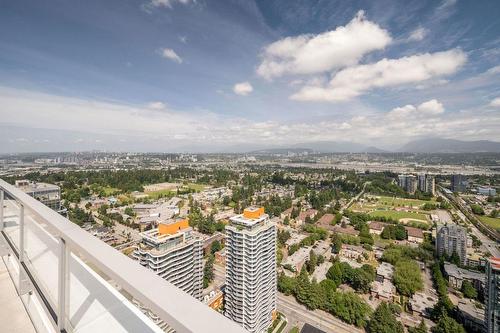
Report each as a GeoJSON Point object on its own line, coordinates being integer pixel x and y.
{"type": "Point", "coordinates": [180, 75]}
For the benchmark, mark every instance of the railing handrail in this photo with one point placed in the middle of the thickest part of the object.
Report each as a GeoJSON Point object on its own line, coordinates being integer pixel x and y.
{"type": "Point", "coordinates": [179, 310]}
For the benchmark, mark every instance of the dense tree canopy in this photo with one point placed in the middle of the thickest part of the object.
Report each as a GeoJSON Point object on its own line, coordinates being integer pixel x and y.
{"type": "Point", "coordinates": [384, 321]}
{"type": "Point", "coordinates": [407, 277]}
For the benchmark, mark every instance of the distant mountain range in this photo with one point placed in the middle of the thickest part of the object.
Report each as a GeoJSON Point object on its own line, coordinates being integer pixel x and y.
{"type": "Point", "coordinates": [436, 145]}
{"type": "Point", "coordinates": [431, 145]}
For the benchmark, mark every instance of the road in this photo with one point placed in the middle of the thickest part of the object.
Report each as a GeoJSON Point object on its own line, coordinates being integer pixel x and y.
{"type": "Point", "coordinates": [298, 314]}
{"type": "Point", "coordinates": [354, 198]}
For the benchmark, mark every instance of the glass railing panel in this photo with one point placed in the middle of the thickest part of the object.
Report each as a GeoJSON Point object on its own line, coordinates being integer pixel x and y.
{"type": "Point", "coordinates": [41, 255]}
{"type": "Point", "coordinates": [11, 221]}
{"type": "Point", "coordinates": [96, 306]}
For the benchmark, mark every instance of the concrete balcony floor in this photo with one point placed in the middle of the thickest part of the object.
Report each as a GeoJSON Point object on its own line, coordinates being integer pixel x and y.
{"type": "Point", "coordinates": [13, 315]}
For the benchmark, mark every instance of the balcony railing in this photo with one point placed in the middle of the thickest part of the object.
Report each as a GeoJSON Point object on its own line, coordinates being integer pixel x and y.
{"type": "Point", "coordinates": [70, 281]}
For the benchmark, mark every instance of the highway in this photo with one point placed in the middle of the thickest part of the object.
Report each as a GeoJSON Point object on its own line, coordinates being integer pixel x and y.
{"type": "Point", "coordinates": [488, 244]}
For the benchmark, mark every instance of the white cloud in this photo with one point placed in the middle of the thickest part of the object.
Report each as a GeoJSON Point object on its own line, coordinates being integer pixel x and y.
{"type": "Point", "coordinates": [495, 102]}
{"type": "Point", "coordinates": [144, 129]}
{"type": "Point", "coordinates": [354, 81]}
{"type": "Point", "coordinates": [430, 108]}
{"type": "Point", "coordinates": [150, 6]}
{"type": "Point", "coordinates": [170, 54]}
{"type": "Point", "coordinates": [308, 54]}
{"type": "Point", "coordinates": [418, 34]}
{"type": "Point", "coordinates": [157, 106]}
{"type": "Point", "coordinates": [243, 88]}
{"type": "Point", "coordinates": [493, 70]}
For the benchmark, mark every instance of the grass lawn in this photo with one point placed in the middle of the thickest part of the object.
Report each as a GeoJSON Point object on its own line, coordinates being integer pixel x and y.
{"type": "Point", "coordinates": [403, 202]}
{"type": "Point", "coordinates": [197, 187]}
{"type": "Point", "coordinates": [110, 190]}
{"type": "Point", "coordinates": [170, 193]}
{"type": "Point", "coordinates": [400, 215]}
{"type": "Point", "coordinates": [163, 193]}
{"type": "Point", "coordinates": [294, 330]}
{"type": "Point", "coordinates": [490, 221]}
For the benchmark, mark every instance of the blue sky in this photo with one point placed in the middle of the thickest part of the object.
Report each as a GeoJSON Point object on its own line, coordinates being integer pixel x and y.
{"type": "Point", "coordinates": [174, 75]}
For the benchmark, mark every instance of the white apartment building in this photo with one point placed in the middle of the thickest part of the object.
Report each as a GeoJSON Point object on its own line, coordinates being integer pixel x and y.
{"type": "Point", "coordinates": [251, 270]}
{"type": "Point", "coordinates": [173, 252]}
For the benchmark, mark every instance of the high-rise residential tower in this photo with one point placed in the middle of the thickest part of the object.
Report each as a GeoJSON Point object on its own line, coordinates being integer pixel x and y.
{"type": "Point", "coordinates": [411, 184]}
{"type": "Point", "coordinates": [251, 270]}
{"type": "Point", "coordinates": [452, 238]}
{"type": "Point", "coordinates": [48, 194]}
{"type": "Point", "coordinates": [174, 253]}
{"type": "Point", "coordinates": [430, 184]}
{"type": "Point", "coordinates": [492, 296]}
{"type": "Point", "coordinates": [421, 182]}
{"type": "Point", "coordinates": [458, 183]}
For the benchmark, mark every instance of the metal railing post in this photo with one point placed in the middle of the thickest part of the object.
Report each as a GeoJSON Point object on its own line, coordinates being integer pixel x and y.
{"type": "Point", "coordinates": [21, 233]}
{"type": "Point", "coordinates": [1, 208]}
{"type": "Point", "coordinates": [63, 284]}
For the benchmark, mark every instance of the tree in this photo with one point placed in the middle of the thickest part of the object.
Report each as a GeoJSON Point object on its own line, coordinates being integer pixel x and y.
{"type": "Point", "coordinates": [477, 209]}
{"type": "Point", "coordinates": [286, 285]}
{"type": "Point", "coordinates": [103, 209]}
{"type": "Point", "coordinates": [208, 271]}
{"type": "Point", "coordinates": [407, 278]}
{"type": "Point", "coordinates": [328, 286]}
{"type": "Point", "coordinates": [335, 273]}
{"type": "Point", "coordinates": [362, 278]}
{"type": "Point", "coordinates": [468, 289]}
{"type": "Point", "coordinates": [394, 232]}
{"type": "Point", "coordinates": [336, 243]}
{"type": "Point", "coordinates": [129, 211]}
{"type": "Point", "coordinates": [317, 296]}
{"type": "Point", "coordinates": [421, 328]}
{"type": "Point", "coordinates": [283, 236]}
{"type": "Point", "coordinates": [216, 246]}
{"type": "Point", "coordinates": [384, 321]}
{"type": "Point", "coordinates": [454, 258]}
{"type": "Point", "coordinates": [349, 307]}
{"type": "Point", "coordinates": [447, 324]}
{"type": "Point", "coordinates": [303, 287]}
{"type": "Point", "coordinates": [207, 225]}
{"type": "Point", "coordinates": [312, 262]}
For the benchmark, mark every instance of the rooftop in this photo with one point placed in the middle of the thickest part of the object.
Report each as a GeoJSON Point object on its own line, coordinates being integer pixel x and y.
{"type": "Point", "coordinates": [386, 270]}
{"type": "Point", "coordinates": [495, 262]}
{"type": "Point", "coordinates": [29, 186]}
{"type": "Point", "coordinates": [421, 301]}
{"type": "Point", "coordinates": [462, 273]}
{"type": "Point", "coordinates": [297, 257]}
{"type": "Point", "coordinates": [375, 225]}
{"type": "Point", "coordinates": [251, 216]}
{"type": "Point", "coordinates": [326, 219]}
{"type": "Point", "coordinates": [385, 289]}
{"type": "Point", "coordinates": [414, 232]}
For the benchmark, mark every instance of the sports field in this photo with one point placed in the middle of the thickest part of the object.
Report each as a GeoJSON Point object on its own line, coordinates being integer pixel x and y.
{"type": "Point", "coordinates": [490, 221]}
{"type": "Point", "coordinates": [399, 215]}
{"type": "Point", "coordinates": [402, 202]}
{"type": "Point", "coordinates": [173, 192]}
